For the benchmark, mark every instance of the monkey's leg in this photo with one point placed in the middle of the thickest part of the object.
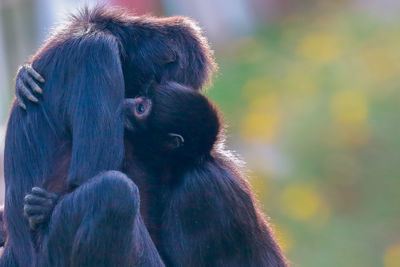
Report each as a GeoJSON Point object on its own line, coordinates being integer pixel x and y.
{"type": "Point", "coordinates": [98, 225]}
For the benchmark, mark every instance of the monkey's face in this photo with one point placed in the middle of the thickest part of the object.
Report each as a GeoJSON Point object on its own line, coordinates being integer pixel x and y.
{"type": "Point", "coordinates": [137, 111]}
{"type": "Point", "coordinates": [137, 121]}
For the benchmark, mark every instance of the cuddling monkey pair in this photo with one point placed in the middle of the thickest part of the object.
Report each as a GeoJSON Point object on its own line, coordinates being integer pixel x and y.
{"type": "Point", "coordinates": [121, 160]}
{"type": "Point", "coordinates": [173, 123]}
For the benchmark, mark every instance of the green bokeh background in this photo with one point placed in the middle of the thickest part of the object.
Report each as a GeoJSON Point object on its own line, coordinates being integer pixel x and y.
{"type": "Point", "coordinates": [320, 91]}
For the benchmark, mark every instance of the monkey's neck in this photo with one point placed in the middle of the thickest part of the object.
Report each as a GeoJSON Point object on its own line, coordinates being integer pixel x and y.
{"type": "Point", "coordinates": [150, 162]}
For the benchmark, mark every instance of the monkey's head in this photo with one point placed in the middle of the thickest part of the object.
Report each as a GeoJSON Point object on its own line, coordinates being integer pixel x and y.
{"type": "Point", "coordinates": [150, 48]}
{"type": "Point", "coordinates": [173, 120]}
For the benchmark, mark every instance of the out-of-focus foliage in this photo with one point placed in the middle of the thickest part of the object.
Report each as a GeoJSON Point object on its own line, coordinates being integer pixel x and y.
{"type": "Point", "coordinates": [313, 104]}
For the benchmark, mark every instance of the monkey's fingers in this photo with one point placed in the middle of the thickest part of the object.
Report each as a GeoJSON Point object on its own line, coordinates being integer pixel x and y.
{"type": "Point", "coordinates": [20, 99]}
{"type": "Point", "coordinates": [23, 90]}
{"type": "Point", "coordinates": [20, 102]}
{"type": "Point", "coordinates": [31, 210]}
{"type": "Point", "coordinates": [33, 85]}
{"type": "Point", "coordinates": [35, 221]}
{"type": "Point", "coordinates": [35, 200]}
{"type": "Point", "coordinates": [34, 74]}
{"type": "Point", "coordinates": [40, 192]}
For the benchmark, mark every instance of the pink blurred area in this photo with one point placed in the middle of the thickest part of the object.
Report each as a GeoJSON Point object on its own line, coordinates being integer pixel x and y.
{"type": "Point", "coordinates": [140, 6]}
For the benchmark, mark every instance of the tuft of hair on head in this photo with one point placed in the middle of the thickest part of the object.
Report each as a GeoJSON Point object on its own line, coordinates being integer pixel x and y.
{"type": "Point", "coordinates": [101, 14]}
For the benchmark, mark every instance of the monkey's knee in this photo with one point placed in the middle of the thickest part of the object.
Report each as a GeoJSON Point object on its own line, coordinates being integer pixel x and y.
{"type": "Point", "coordinates": [119, 194]}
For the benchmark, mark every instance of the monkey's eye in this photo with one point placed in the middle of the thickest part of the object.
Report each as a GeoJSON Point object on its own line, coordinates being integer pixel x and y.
{"type": "Point", "coordinates": [140, 108]}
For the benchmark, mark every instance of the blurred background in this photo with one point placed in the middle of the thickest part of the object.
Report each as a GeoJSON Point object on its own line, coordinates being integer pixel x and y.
{"type": "Point", "coordinates": [310, 91]}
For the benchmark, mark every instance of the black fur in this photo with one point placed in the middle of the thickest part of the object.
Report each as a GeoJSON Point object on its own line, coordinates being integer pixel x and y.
{"type": "Point", "coordinates": [175, 109]}
{"type": "Point", "coordinates": [201, 217]}
{"type": "Point", "coordinates": [205, 214]}
{"type": "Point", "coordinates": [3, 234]}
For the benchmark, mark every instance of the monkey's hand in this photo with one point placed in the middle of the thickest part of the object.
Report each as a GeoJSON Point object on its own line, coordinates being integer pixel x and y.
{"type": "Point", "coordinates": [26, 84]}
{"type": "Point", "coordinates": [38, 206]}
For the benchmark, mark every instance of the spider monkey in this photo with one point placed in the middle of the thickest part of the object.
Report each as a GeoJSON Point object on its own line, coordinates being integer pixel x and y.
{"type": "Point", "coordinates": [196, 208]}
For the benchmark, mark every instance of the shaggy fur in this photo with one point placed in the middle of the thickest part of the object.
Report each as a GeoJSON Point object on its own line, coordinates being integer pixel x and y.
{"type": "Point", "coordinates": [69, 141]}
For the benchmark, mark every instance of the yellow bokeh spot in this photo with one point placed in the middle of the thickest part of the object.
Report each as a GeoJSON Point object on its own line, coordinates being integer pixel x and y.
{"type": "Point", "coordinates": [349, 108]}
{"type": "Point", "coordinates": [283, 237]}
{"type": "Point", "coordinates": [262, 120]}
{"type": "Point", "coordinates": [319, 47]}
{"type": "Point", "coordinates": [301, 202]}
{"type": "Point", "coordinates": [260, 126]}
{"type": "Point", "coordinates": [392, 256]}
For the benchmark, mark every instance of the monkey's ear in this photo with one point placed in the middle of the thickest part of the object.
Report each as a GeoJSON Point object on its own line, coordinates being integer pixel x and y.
{"type": "Point", "coordinates": [175, 141]}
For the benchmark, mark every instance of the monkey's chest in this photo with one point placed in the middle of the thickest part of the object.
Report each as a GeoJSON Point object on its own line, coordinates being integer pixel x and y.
{"type": "Point", "coordinates": [154, 195]}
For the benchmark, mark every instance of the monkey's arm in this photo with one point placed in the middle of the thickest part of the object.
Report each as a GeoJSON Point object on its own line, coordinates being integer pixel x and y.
{"type": "Point", "coordinates": [38, 206]}
{"type": "Point", "coordinates": [84, 93]}
{"type": "Point", "coordinates": [92, 101]}
{"type": "Point", "coordinates": [26, 84]}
